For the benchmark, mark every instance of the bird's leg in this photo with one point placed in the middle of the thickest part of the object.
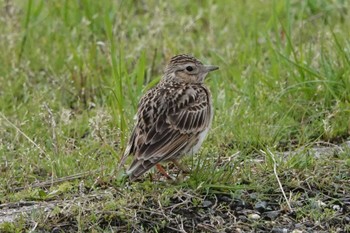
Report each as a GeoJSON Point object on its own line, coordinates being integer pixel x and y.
{"type": "Point", "coordinates": [182, 167]}
{"type": "Point", "coordinates": [161, 170]}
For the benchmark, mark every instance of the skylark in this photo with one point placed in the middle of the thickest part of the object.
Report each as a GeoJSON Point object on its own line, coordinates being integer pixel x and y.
{"type": "Point", "coordinates": [173, 117]}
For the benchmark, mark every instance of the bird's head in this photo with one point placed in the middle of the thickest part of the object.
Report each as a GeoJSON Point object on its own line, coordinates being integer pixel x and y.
{"type": "Point", "coordinates": [186, 68]}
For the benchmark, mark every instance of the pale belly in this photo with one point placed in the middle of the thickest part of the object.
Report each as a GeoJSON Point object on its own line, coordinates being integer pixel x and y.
{"type": "Point", "coordinates": [196, 143]}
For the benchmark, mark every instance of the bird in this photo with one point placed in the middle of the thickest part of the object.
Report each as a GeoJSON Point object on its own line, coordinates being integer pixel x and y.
{"type": "Point", "coordinates": [173, 117]}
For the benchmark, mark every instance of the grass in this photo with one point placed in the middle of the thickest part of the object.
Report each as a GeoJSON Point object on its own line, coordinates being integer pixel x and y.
{"type": "Point", "coordinates": [72, 73]}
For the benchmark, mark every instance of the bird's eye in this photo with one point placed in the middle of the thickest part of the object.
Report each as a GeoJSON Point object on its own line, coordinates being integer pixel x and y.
{"type": "Point", "coordinates": [189, 68]}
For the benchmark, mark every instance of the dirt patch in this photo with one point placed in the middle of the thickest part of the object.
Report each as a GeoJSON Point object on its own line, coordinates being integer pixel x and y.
{"type": "Point", "coordinates": [189, 212]}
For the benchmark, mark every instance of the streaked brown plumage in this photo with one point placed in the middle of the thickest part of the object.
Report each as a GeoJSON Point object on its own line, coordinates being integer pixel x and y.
{"type": "Point", "coordinates": [173, 118]}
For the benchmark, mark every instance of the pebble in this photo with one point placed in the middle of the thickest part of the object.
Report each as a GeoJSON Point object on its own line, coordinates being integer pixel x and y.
{"type": "Point", "coordinates": [309, 224]}
{"type": "Point", "coordinates": [320, 204]}
{"type": "Point", "coordinates": [336, 207]}
{"type": "Point", "coordinates": [225, 198]}
{"type": "Point", "coordinates": [279, 230]}
{"type": "Point", "coordinates": [272, 215]}
{"type": "Point", "coordinates": [207, 203]}
{"type": "Point", "coordinates": [261, 206]}
{"type": "Point", "coordinates": [347, 219]}
{"type": "Point", "coordinates": [253, 196]}
{"type": "Point", "coordinates": [242, 218]}
{"type": "Point", "coordinates": [237, 204]}
{"type": "Point", "coordinates": [254, 216]}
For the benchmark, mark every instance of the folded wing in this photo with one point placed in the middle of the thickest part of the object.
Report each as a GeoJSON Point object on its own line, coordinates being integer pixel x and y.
{"type": "Point", "coordinates": [168, 125]}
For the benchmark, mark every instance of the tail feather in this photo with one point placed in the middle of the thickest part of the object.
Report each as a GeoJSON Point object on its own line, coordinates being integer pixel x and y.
{"type": "Point", "coordinates": [138, 168]}
{"type": "Point", "coordinates": [125, 156]}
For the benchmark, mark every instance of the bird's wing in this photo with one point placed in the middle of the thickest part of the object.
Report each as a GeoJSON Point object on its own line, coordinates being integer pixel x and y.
{"type": "Point", "coordinates": [168, 122]}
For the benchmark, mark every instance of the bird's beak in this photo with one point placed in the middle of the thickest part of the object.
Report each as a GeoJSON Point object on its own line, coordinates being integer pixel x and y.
{"type": "Point", "coordinates": [210, 68]}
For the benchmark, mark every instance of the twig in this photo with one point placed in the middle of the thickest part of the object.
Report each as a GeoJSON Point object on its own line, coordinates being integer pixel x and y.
{"type": "Point", "coordinates": [59, 180]}
{"type": "Point", "coordinates": [16, 205]}
{"type": "Point", "coordinates": [34, 228]}
{"type": "Point", "coordinates": [278, 180]}
{"type": "Point", "coordinates": [53, 126]}
{"type": "Point", "coordinates": [21, 132]}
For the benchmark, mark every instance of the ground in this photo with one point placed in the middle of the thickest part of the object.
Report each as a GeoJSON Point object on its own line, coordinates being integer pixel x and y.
{"type": "Point", "coordinates": [277, 158]}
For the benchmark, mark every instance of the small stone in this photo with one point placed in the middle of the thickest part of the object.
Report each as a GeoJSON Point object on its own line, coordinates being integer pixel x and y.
{"type": "Point", "coordinates": [297, 231]}
{"type": "Point", "coordinates": [224, 198]}
{"type": "Point", "coordinates": [272, 215]}
{"type": "Point", "coordinates": [279, 230]}
{"type": "Point", "coordinates": [320, 204]}
{"type": "Point", "coordinates": [237, 204]}
{"type": "Point", "coordinates": [309, 224]}
{"type": "Point", "coordinates": [237, 230]}
{"type": "Point", "coordinates": [336, 207]}
{"type": "Point", "coordinates": [261, 206]}
{"type": "Point", "coordinates": [242, 218]}
{"type": "Point", "coordinates": [207, 203]}
{"type": "Point", "coordinates": [253, 196]}
{"type": "Point", "coordinates": [254, 216]}
{"type": "Point", "coordinates": [347, 219]}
